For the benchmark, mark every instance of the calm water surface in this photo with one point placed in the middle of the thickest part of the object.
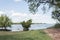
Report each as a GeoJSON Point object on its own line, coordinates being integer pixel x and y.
{"type": "Point", "coordinates": [18, 27]}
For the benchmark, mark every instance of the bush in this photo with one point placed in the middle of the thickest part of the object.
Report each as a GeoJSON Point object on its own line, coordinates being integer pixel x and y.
{"type": "Point", "coordinates": [55, 26]}
{"type": "Point", "coordinates": [26, 25]}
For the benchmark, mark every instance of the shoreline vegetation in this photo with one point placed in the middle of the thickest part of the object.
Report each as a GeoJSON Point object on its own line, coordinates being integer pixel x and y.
{"type": "Point", "coordinates": [32, 23]}
{"type": "Point", "coordinates": [56, 26]}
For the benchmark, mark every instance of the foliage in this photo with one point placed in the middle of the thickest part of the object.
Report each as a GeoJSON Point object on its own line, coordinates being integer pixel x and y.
{"type": "Point", "coordinates": [55, 26]}
{"type": "Point", "coordinates": [56, 14]}
{"type": "Point", "coordinates": [5, 21]}
{"type": "Point", "coordinates": [25, 35]}
{"type": "Point", "coordinates": [26, 24]}
{"type": "Point", "coordinates": [34, 4]}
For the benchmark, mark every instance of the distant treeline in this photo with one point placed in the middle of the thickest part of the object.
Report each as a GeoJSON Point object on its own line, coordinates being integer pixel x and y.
{"type": "Point", "coordinates": [32, 23]}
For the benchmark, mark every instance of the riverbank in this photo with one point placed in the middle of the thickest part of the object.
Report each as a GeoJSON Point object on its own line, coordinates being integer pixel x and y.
{"type": "Point", "coordinates": [44, 34]}
{"type": "Point", "coordinates": [54, 33]}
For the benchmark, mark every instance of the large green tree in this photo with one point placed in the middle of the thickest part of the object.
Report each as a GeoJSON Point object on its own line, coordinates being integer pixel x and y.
{"type": "Point", "coordinates": [5, 21]}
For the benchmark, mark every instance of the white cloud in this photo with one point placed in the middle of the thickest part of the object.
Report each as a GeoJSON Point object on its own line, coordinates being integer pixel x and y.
{"type": "Point", "coordinates": [2, 12]}
{"type": "Point", "coordinates": [37, 18]}
{"type": "Point", "coordinates": [17, 0]}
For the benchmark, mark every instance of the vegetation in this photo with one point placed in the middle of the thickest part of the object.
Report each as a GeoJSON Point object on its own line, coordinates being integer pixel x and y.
{"type": "Point", "coordinates": [25, 35]}
{"type": "Point", "coordinates": [34, 5]}
{"type": "Point", "coordinates": [56, 14]}
{"type": "Point", "coordinates": [55, 26]}
{"type": "Point", "coordinates": [26, 24]}
{"type": "Point", "coordinates": [5, 21]}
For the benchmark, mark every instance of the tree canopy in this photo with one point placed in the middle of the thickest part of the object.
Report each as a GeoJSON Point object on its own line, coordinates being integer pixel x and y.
{"type": "Point", "coordinates": [34, 5]}
{"type": "Point", "coordinates": [5, 21]}
{"type": "Point", "coordinates": [26, 24]}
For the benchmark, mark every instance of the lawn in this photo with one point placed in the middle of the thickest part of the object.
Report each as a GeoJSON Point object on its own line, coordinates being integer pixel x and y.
{"type": "Point", "coordinates": [24, 35]}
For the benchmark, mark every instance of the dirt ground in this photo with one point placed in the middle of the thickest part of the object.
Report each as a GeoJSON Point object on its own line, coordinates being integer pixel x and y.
{"type": "Point", "coordinates": [53, 33]}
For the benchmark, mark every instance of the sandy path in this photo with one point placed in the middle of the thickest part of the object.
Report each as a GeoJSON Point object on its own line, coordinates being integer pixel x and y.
{"type": "Point", "coordinates": [53, 33]}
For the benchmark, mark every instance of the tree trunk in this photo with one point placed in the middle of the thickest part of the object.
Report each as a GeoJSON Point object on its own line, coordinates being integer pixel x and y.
{"type": "Point", "coordinates": [5, 29]}
{"type": "Point", "coordinates": [25, 29]}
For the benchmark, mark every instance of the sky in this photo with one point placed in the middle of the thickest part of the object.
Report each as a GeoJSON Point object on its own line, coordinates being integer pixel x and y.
{"type": "Point", "coordinates": [18, 11]}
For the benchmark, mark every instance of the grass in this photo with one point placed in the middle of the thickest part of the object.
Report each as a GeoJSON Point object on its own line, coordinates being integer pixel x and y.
{"type": "Point", "coordinates": [25, 35]}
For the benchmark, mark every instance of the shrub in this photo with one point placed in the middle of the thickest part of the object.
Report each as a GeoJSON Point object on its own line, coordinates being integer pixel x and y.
{"type": "Point", "coordinates": [26, 25]}
{"type": "Point", "coordinates": [55, 26]}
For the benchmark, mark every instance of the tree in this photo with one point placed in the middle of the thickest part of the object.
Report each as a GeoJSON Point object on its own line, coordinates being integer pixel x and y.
{"type": "Point", "coordinates": [56, 12]}
{"type": "Point", "coordinates": [26, 25]}
{"type": "Point", "coordinates": [34, 4]}
{"type": "Point", "coordinates": [5, 21]}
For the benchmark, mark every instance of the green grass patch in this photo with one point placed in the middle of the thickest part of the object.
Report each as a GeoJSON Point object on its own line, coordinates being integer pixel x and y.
{"type": "Point", "coordinates": [25, 35]}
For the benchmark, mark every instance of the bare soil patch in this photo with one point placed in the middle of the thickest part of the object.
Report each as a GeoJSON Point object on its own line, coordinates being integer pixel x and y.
{"type": "Point", "coordinates": [53, 33]}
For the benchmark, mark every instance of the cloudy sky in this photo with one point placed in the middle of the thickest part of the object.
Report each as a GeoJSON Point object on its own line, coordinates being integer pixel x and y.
{"type": "Point", "coordinates": [18, 11]}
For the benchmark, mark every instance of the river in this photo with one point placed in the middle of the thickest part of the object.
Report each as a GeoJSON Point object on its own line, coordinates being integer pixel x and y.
{"type": "Point", "coordinates": [18, 27]}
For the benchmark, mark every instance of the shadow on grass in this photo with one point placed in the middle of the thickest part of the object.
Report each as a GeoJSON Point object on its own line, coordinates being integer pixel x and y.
{"type": "Point", "coordinates": [5, 30]}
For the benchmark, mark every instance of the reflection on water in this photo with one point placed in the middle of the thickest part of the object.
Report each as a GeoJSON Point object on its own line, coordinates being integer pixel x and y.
{"type": "Point", "coordinates": [18, 27]}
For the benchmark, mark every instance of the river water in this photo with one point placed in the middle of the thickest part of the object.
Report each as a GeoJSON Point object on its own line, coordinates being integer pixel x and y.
{"type": "Point", "coordinates": [18, 27]}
